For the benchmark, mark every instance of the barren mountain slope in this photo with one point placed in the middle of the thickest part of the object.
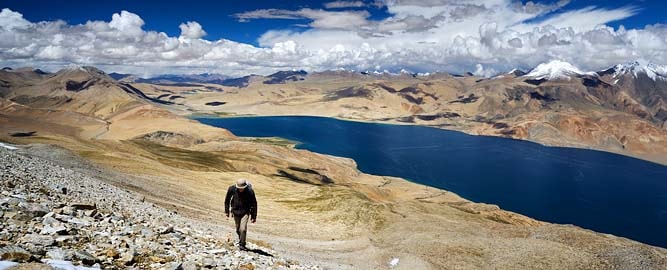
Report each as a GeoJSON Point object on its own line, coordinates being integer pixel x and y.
{"type": "Point", "coordinates": [581, 110]}
{"type": "Point", "coordinates": [86, 103]}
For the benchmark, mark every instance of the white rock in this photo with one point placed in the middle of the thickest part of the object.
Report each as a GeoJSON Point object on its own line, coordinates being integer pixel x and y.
{"type": "Point", "coordinates": [8, 146]}
{"type": "Point", "coordinates": [66, 265]}
{"type": "Point", "coordinates": [394, 262]}
{"type": "Point", "coordinates": [78, 221]}
{"type": "Point", "coordinates": [6, 264]}
{"type": "Point", "coordinates": [57, 254]}
{"type": "Point", "coordinates": [216, 251]}
{"type": "Point", "coordinates": [38, 240]}
{"type": "Point", "coordinates": [53, 229]}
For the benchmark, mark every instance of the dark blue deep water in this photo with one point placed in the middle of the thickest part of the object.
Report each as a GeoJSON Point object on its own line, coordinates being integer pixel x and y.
{"type": "Point", "coordinates": [596, 190]}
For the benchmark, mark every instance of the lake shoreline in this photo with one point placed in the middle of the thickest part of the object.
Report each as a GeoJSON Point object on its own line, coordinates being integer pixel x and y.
{"type": "Point", "coordinates": [662, 161]}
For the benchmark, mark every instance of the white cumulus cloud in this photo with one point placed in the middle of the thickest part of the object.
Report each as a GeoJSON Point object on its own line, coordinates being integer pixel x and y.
{"type": "Point", "coordinates": [483, 37]}
{"type": "Point", "coordinates": [127, 23]}
{"type": "Point", "coordinates": [192, 30]}
{"type": "Point", "coordinates": [11, 20]}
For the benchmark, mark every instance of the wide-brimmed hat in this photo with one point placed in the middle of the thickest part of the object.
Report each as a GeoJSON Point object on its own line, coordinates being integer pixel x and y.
{"type": "Point", "coordinates": [241, 183]}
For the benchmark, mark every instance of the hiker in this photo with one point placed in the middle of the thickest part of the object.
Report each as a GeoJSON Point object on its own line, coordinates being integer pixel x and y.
{"type": "Point", "coordinates": [243, 207]}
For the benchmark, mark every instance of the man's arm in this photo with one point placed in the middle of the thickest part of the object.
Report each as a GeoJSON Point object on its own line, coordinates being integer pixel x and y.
{"type": "Point", "coordinates": [228, 198]}
{"type": "Point", "coordinates": [253, 206]}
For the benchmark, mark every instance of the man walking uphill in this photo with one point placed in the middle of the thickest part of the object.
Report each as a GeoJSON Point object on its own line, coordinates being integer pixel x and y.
{"type": "Point", "coordinates": [244, 207]}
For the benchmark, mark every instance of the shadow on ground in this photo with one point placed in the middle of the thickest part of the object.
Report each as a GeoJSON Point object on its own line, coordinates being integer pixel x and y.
{"type": "Point", "coordinates": [260, 252]}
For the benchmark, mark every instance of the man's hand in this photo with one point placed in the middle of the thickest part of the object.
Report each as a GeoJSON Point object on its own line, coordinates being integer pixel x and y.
{"type": "Point", "coordinates": [227, 215]}
{"type": "Point", "coordinates": [253, 220]}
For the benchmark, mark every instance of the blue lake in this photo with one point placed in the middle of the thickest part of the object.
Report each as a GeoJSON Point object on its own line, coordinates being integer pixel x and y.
{"type": "Point", "coordinates": [596, 190]}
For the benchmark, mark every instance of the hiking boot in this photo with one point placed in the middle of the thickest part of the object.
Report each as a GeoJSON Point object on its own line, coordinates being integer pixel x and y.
{"type": "Point", "coordinates": [243, 248]}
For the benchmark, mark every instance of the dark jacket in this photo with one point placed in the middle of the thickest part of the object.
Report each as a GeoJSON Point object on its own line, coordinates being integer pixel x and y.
{"type": "Point", "coordinates": [241, 202]}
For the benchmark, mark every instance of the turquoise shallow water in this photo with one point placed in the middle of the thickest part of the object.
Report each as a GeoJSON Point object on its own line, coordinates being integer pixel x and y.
{"type": "Point", "coordinates": [596, 190]}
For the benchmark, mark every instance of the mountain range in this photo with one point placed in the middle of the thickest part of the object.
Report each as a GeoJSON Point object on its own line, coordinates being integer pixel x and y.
{"type": "Point", "coordinates": [555, 69]}
{"type": "Point", "coordinates": [621, 109]}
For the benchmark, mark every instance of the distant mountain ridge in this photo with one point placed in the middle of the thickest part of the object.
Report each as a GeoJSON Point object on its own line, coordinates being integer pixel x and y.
{"type": "Point", "coordinates": [638, 67]}
{"type": "Point", "coordinates": [557, 69]}
{"type": "Point", "coordinates": [185, 78]}
{"type": "Point", "coordinates": [551, 70]}
{"type": "Point", "coordinates": [623, 108]}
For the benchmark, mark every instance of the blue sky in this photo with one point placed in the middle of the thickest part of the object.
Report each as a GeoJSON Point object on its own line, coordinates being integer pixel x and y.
{"type": "Point", "coordinates": [165, 16]}
{"type": "Point", "coordinates": [216, 16]}
{"type": "Point", "coordinates": [241, 37]}
{"type": "Point", "coordinates": [650, 11]}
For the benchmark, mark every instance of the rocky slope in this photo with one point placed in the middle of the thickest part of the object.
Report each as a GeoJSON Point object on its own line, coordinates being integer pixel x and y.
{"type": "Point", "coordinates": [357, 221]}
{"type": "Point", "coordinates": [57, 216]}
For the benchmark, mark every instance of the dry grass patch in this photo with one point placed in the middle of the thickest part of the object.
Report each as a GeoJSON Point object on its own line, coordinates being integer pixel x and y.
{"type": "Point", "coordinates": [342, 205]}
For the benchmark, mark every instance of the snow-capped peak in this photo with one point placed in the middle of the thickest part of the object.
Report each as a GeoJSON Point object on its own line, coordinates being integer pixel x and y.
{"type": "Point", "coordinates": [555, 69]}
{"type": "Point", "coordinates": [651, 70]}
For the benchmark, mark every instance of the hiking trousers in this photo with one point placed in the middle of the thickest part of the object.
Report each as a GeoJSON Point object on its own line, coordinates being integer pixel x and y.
{"type": "Point", "coordinates": [241, 227]}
